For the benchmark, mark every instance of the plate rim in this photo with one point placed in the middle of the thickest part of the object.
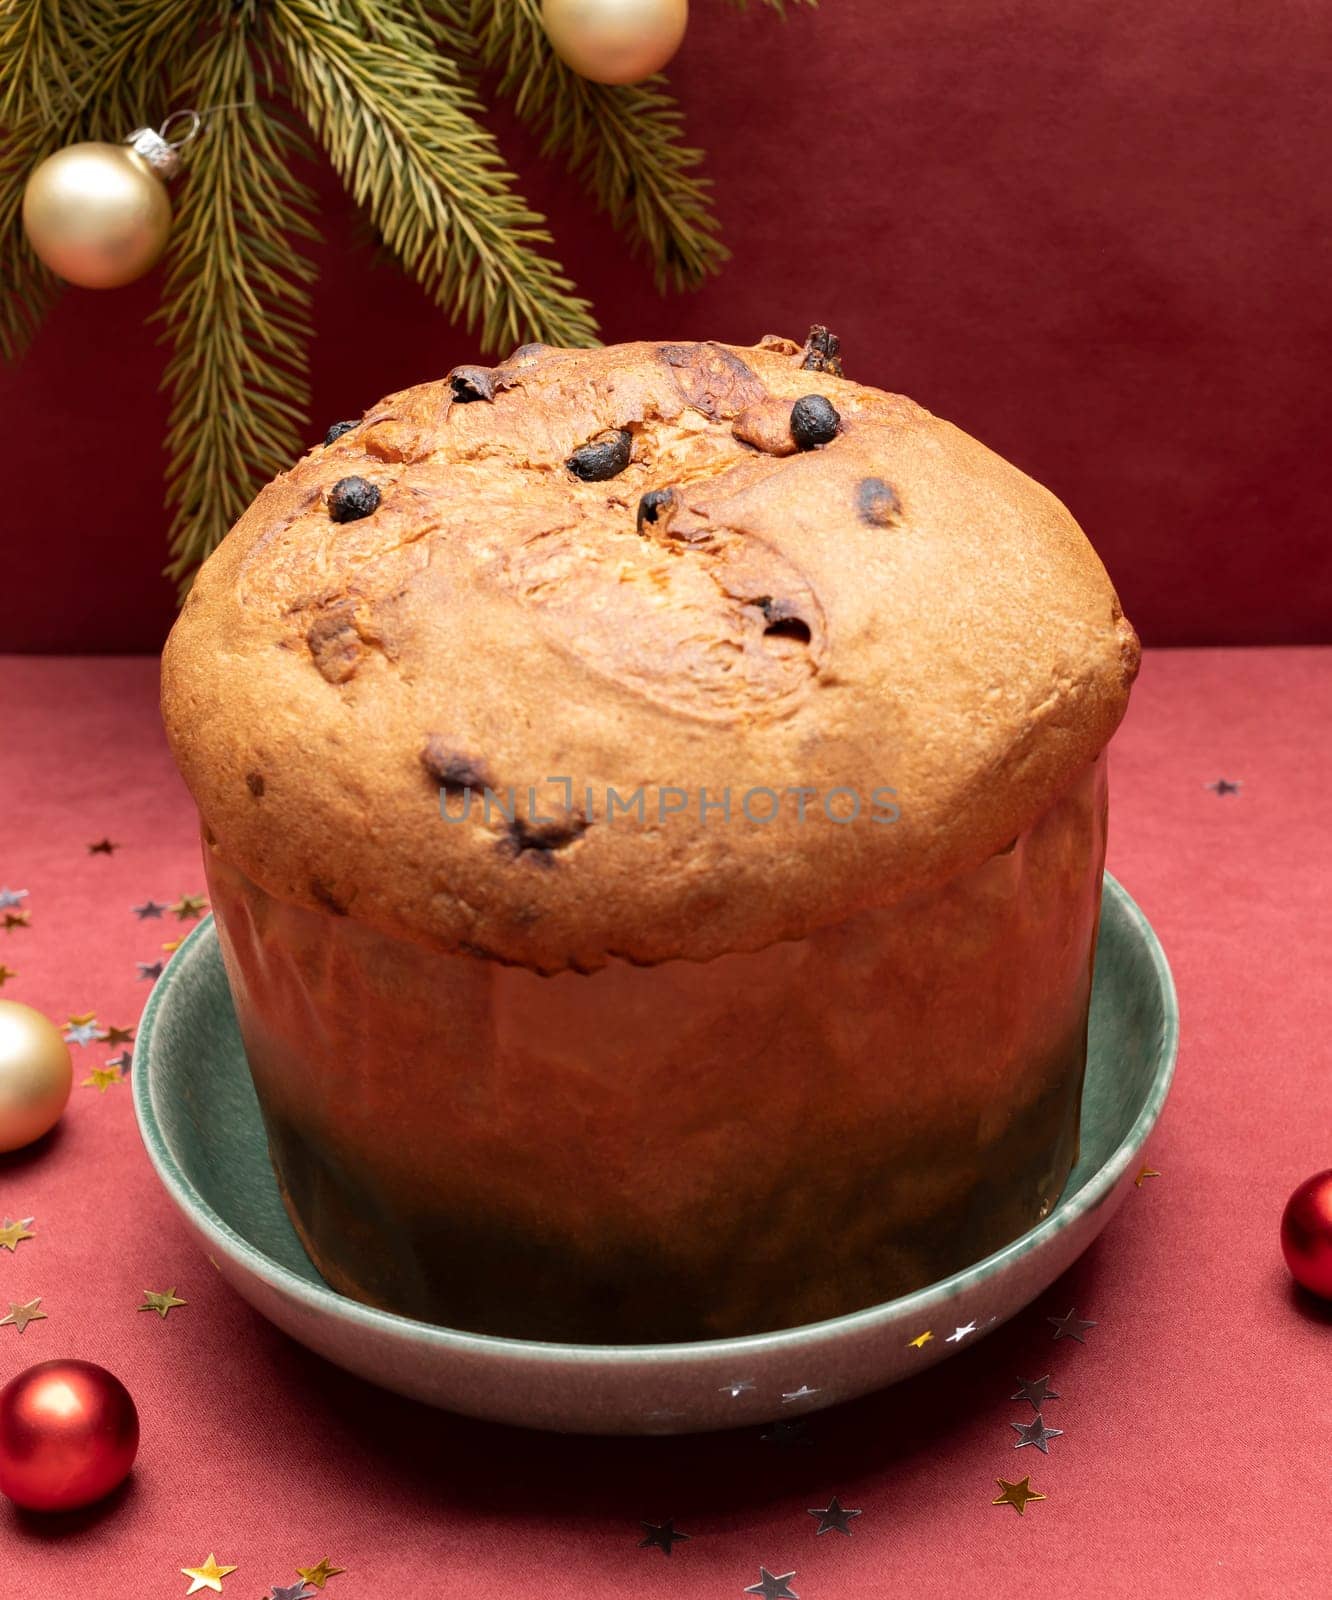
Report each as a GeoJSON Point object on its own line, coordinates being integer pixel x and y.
{"type": "Point", "coordinates": [320, 1298]}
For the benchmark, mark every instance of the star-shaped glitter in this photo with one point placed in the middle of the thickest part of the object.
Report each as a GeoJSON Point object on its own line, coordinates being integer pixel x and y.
{"type": "Point", "coordinates": [321, 1573]}
{"type": "Point", "coordinates": [661, 1536]}
{"type": "Point", "coordinates": [737, 1386]}
{"type": "Point", "coordinates": [1035, 1432]}
{"type": "Point", "coordinates": [118, 1036]}
{"type": "Point", "coordinates": [171, 946]}
{"type": "Point", "coordinates": [834, 1517]}
{"type": "Point", "coordinates": [103, 847]}
{"type": "Point", "coordinates": [12, 897]}
{"type": "Point", "coordinates": [152, 970]}
{"type": "Point", "coordinates": [1018, 1495]}
{"type": "Point", "coordinates": [787, 1433]}
{"type": "Point", "coordinates": [161, 1303]}
{"type": "Point", "coordinates": [207, 1576]}
{"type": "Point", "coordinates": [83, 1029]}
{"type": "Point", "coordinates": [1035, 1390]}
{"type": "Point", "coordinates": [802, 1393]}
{"type": "Point", "coordinates": [149, 908]}
{"type": "Point", "coordinates": [290, 1591]}
{"type": "Point", "coordinates": [5, 974]}
{"type": "Point", "coordinates": [20, 1316]}
{"type": "Point", "coordinates": [188, 906]}
{"type": "Point", "coordinates": [1147, 1172]}
{"type": "Point", "coordinates": [101, 1079]}
{"type": "Point", "coordinates": [17, 919]}
{"type": "Point", "coordinates": [12, 1234]}
{"type": "Point", "coordinates": [958, 1334]}
{"type": "Point", "coordinates": [773, 1587]}
{"type": "Point", "coordinates": [1069, 1327]}
{"type": "Point", "coordinates": [921, 1340]}
{"type": "Point", "coordinates": [1225, 786]}
{"type": "Point", "coordinates": [123, 1062]}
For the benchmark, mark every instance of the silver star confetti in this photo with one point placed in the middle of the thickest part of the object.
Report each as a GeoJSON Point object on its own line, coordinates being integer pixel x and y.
{"type": "Point", "coordinates": [1224, 786]}
{"type": "Point", "coordinates": [802, 1393]}
{"type": "Point", "coordinates": [1070, 1327]}
{"type": "Point", "coordinates": [737, 1386]}
{"type": "Point", "coordinates": [12, 897]}
{"type": "Point", "coordinates": [150, 908]}
{"type": "Point", "coordinates": [83, 1032]}
{"type": "Point", "coordinates": [958, 1334]}
{"type": "Point", "coordinates": [1035, 1432]}
{"type": "Point", "coordinates": [834, 1517]}
{"type": "Point", "coordinates": [124, 1061]}
{"type": "Point", "coordinates": [151, 970]}
{"type": "Point", "coordinates": [662, 1536]}
{"type": "Point", "coordinates": [1036, 1390]}
{"type": "Point", "coordinates": [773, 1587]}
{"type": "Point", "coordinates": [291, 1591]}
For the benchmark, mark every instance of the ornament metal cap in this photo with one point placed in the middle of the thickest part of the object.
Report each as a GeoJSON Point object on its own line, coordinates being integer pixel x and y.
{"type": "Point", "coordinates": [161, 153]}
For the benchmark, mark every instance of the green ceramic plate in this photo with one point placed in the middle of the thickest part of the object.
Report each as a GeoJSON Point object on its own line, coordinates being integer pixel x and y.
{"type": "Point", "coordinates": [201, 1125]}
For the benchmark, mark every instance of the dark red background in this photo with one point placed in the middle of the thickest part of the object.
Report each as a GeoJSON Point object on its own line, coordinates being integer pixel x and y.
{"type": "Point", "coordinates": [1095, 236]}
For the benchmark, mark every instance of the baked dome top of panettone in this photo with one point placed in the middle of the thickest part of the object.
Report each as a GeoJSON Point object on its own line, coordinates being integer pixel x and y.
{"type": "Point", "coordinates": [616, 568]}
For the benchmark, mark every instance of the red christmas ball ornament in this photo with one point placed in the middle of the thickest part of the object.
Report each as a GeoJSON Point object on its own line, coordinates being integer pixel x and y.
{"type": "Point", "coordinates": [68, 1435]}
{"type": "Point", "coordinates": [1306, 1234]}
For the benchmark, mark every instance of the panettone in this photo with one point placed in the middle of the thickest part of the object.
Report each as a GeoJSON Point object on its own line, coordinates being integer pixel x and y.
{"type": "Point", "coordinates": [654, 802]}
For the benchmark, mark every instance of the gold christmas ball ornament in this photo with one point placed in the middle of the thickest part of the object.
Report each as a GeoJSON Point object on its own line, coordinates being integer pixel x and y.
{"type": "Point", "coordinates": [35, 1075]}
{"type": "Point", "coordinates": [98, 214]}
{"type": "Point", "coordinates": [615, 41]}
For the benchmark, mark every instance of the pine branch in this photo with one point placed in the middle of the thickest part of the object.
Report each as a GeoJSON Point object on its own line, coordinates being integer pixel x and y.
{"type": "Point", "coordinates": [399, 121]}
{"type": "Point", "coordinates": [27, 289]}
{"type": "Point", "coordinates": [622, 143]}
{"type": "Point", "coordinates": [236, 304]}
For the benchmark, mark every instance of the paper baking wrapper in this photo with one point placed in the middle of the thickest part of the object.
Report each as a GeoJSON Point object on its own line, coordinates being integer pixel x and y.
{"type": "Point", "coordinates": [683, 1151]}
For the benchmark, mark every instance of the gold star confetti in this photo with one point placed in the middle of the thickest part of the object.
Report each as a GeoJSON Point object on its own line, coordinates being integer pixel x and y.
{"type": "Point", "coordinates": [5, 974]}
{"type": "Point", "coordinates": [20, 1316]}
{"type": "Point", "coordinates": [118, 1036]}
{"type": "Point", "coordinates": [17, 919]}
{"type": "Point", "coordinates": [1147, 1172]}
{"type": "Point", "coordinates": [207, 1576]}
{"type": "Point", "coordinates": [12, 1234]}
{"type": "Point", "coordinates": [921, 1340]}
{"type": "Point", "coordinates": [171, 946]}
{"type": "Point", "coordinates": [101, 1079]}
{"type": "Point", "coordinates": [1018, 1495]}
{"type": "Point", "coordinates": [189, 905]}
{"type": "Point", "coordinates": [320, 1574]}
{"type": "Point", "coordinates": [161, 1303]}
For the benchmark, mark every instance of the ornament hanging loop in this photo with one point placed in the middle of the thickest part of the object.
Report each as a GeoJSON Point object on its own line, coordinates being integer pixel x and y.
{"type": "Point", "coordinates": [195, 120]}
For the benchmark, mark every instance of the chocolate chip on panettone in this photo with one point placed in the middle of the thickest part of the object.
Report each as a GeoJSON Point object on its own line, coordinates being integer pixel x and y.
{"type": "Point", "coordinates": [472, 383]}
{"type": "Point", "coordinates": [655, 507]}
{"type": "Point", "coordinates": [783, 620]}
{"type": "Point", "coordinates": [350, 499]}
{"type": "Point", "coordinates": [451, 769]}
{"type": "Point", "coordinates": [337, 431]}
{"type": "Point", "coordinates": [540, 841]}
{"type": "Point", "coordinates": [602, 458]}
{"type": "Point", "coordinates": [814, 421]}
{"type": "Point", "coordinates": [823, 351]}
{"type": "Point", "coordinates": [877, 502]}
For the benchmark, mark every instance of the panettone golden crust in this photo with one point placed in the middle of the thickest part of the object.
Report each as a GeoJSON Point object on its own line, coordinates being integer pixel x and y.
{"type": "Point", "coordinates": [895, 609]}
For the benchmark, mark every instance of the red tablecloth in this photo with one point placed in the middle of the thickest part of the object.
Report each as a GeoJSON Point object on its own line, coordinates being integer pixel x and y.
{"type": "Point", "coordinates": [1196, 1454]}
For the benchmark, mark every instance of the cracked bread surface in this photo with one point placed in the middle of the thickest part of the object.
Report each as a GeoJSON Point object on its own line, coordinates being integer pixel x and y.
{"type": "Point", "coordinates": [619, 568]}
